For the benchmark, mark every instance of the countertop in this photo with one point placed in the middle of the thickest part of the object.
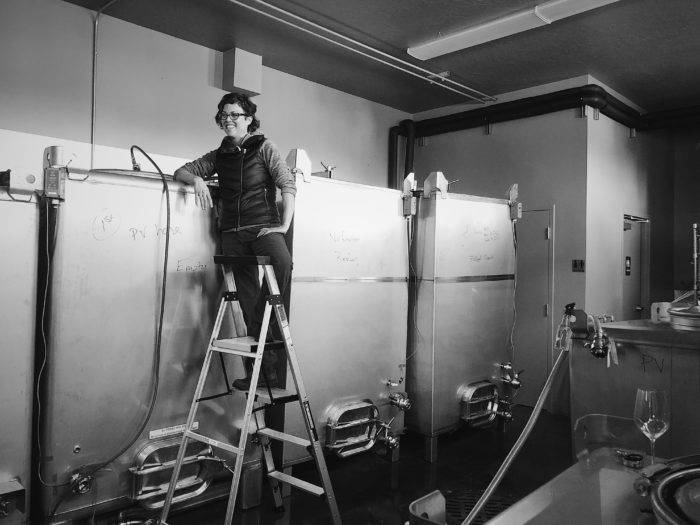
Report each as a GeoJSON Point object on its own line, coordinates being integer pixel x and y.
{"type": "Point", "coordinates": [646, 332]}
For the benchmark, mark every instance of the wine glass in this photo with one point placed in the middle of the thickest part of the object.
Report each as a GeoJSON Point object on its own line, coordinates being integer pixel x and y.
{"type": "Point", "coordinates": [651, 414]}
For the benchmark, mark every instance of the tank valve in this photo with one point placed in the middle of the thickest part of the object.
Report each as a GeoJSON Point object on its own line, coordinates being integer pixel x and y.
{"type": "Point", "coordinates": [504, 411]}
{"type": "Point", "coordinates": [390, 440]}
{"type": "Point", "coordinates": [506, 415]}
{"type": "Point", "coordinates": [599, 344]}
{"type": "Point", "coordinates": [400, 400]}
{"type": "Point", "coordinates": [81, 482]}
{"type": "Point", "coordinates": [509, 376]}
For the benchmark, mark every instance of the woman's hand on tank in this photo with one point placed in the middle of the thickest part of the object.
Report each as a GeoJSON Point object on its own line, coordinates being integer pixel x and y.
{"type": "Point", "coordinates": [276, 229]}
{"type": "Point", "coordinates": [202, 196]}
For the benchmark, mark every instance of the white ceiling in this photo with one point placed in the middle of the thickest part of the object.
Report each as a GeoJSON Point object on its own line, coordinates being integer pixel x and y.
{"type": "Point", "coordinates": [647, 50]}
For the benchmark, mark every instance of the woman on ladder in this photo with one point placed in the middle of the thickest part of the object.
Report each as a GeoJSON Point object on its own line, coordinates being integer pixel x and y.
{"type": "Point", "coordinates": [250, 169]}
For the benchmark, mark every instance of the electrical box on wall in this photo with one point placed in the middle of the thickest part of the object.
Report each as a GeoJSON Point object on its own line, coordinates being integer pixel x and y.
{"type": "Point", "coordinates": [242, 72]}
{"type": "Point", "coordinates": [578, 265]}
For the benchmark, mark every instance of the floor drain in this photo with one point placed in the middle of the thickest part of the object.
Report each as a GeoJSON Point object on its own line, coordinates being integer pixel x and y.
{"type": "Point", "coordinates": [459, 502]}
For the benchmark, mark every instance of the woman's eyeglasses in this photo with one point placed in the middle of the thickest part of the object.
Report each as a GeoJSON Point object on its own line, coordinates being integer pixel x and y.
{"type": "Point", "coordinates": [223, 115]}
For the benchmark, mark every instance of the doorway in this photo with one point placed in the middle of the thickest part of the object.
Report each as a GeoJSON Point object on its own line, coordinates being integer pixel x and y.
{"type": "Point", "coordinates": [635, 268]}
{"type": "Point", "coordinates": [533, 301]}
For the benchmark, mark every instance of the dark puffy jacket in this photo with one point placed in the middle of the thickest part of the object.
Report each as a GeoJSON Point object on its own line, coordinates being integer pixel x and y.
{"type": "Point", "coordinates": [247, 188]}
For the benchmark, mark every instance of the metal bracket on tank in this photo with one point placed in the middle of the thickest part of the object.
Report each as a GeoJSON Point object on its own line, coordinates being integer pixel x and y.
{"type": "Point", "coordinates": [409, 195]}
{"type": "Point", "coordinates": [436, 181]}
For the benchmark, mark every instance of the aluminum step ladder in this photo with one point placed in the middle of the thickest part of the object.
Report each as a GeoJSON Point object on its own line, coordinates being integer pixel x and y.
{"type": "Point", "coordinates": [248, 348]}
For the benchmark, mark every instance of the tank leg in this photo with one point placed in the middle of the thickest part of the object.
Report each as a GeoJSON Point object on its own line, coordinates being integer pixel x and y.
{"type": "Point", "coordinates": [431, 449]}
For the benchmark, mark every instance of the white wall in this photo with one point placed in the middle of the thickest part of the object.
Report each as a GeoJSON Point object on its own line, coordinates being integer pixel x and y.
{"type": "Point", "coordinates": [616, 184]}
{"type": "Point", "coordinates": [160, 93]}
{"type": "Point", "coordinates": [625, 176]}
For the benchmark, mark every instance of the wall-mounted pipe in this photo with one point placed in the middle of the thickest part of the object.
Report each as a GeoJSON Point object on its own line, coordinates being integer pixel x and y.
{"type": "Point", "coordinates": [93, 100]}
{"type": "Point", "coordinates": [408, 129]}
{"type": "Point", "coordinates": [589, 95]}
{"type": "Point", "coordinates": [393, 181]}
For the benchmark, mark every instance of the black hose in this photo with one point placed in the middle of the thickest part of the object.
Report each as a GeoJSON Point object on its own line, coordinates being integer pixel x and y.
{"type": "Point", "coordinates": [159, 337]}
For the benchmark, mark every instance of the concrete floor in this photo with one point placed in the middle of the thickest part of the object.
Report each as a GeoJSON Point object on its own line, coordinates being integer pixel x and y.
{"type": "Point", "coordinates": [371, 490]}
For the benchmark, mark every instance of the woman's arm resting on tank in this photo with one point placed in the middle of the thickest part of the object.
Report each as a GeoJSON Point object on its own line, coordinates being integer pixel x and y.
{"type": "Point", "coordinates": [202, 197]}
{"type": "Point", "coordinates": [194, 173]}
{"type": "Point", "coordinates": [287, 214]}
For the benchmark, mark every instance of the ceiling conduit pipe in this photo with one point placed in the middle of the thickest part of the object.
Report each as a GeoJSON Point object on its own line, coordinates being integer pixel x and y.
{"type": "Point", "coordinates": [590, 95]}
{"type": "Point", "coordinates": [371, 53]}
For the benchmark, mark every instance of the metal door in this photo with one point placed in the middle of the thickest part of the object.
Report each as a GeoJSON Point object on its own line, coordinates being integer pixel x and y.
{"type": "Point", "coordinates": [632, 270]}
{"type": "Point", "coordinates": [533, 326]}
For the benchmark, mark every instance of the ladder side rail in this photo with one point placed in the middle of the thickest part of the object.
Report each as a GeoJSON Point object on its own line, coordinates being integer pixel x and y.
{"type": "Point", "coordinates": [319, 459]}
{"type": "Point", "coordinates": [269, 463]}
{"type": "Point", "coordinates": [188, 426]}
{"type": "Point", "coordinates": [317, 450]}
{"type": "Point", "coordinates": [247, 416]}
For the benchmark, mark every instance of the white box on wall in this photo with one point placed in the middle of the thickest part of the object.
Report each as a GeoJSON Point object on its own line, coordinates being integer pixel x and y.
{"type": "Point", "coordinates": [242, 72]}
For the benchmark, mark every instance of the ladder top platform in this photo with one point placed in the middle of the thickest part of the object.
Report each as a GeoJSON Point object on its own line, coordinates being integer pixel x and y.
{"type": "Point", "coordinates": [250, 260]}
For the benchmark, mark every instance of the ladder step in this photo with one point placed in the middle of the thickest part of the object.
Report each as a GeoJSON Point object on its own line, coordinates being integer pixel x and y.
{"type": "Point", "coordinates": [244, 346]}
{"type": "Point", "coordinates": [281, 436]}
{"type": "Point", "coordinates": [212, 442]}
{"type": "Point", "coordinates": [279, 395]}
{"type": "Point", "coordinates": [298, 483]}
{"type": "Point", "coordinates": [244, 260]}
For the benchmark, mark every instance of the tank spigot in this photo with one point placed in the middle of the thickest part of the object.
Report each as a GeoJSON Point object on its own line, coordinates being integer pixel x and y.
{"type": "Point", "coordinates": [400, 400]}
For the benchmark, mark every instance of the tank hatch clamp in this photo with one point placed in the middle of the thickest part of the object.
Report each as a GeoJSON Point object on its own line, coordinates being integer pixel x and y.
{"type": "Point", "coordinates": [253, 422]}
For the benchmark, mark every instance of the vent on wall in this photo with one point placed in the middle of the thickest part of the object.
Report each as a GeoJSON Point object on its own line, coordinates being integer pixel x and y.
{"type": "Point", "coordinates": [242, 72]}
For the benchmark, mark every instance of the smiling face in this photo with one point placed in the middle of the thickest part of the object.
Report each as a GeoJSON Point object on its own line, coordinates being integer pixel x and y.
{"type": "Point", "coordinates": [236, 127]}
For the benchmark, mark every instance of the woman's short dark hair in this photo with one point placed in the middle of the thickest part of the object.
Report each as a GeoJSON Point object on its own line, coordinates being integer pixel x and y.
{"type": "Point", "coordinates": [246, 104]}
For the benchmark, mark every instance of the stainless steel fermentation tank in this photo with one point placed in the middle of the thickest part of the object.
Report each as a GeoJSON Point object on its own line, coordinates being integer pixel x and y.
{"type": "Point", "coordinates": [101, 325]}
{"type": "Point", "coordinates": [348, 313]}
{"type": "Point", "coordinates": [462, 314]}
{"type": "Point", "coordinates": [19, 215]}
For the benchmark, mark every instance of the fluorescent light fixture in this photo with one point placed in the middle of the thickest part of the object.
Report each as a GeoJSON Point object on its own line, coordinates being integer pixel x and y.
{"type": "Point", "coordinates": [540, 15]}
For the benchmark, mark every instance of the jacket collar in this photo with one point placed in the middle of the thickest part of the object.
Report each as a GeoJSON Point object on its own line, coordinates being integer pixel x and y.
{"type": "Point", "coordinates": [251, 143]}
